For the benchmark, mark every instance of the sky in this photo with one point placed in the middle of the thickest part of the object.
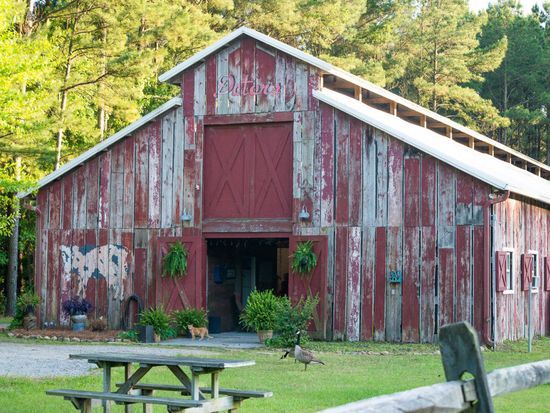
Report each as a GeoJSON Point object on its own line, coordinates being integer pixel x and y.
{"type": "Point", "coordinates": [482, 4]}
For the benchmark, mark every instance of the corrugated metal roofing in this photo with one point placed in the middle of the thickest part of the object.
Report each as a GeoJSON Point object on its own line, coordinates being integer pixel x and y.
{"type": "Point", "coordinates": [501, 175]}
{"type": "Point", "coordinates": [176, 101]}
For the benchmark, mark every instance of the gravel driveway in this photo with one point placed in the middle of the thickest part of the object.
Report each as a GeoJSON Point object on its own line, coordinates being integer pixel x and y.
{"type": "Point", "coordinates": [43, 360]}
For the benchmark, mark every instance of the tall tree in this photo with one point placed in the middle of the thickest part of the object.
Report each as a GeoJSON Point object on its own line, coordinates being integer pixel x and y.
{"type": "Point", "coordinates": [518, 88]}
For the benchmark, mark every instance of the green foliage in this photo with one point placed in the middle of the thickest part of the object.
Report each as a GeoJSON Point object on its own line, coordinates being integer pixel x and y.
{"type": "Point", "coordinates": [292, 318]}
{"type": "Point", "coordinates": [174, 263]}
{"type": "Point", "coordinates": [26, 302]}
{"type": "Point", "coordinates": [304, 260]}
{"type": "Point", "coordinates": [131, 335]}
{"type": "Point", "coordinates": [260, 310]}
{"type": "Point", "coordinates": [197, 317]}
{"type": "Point", "coordinates": [160, 320]}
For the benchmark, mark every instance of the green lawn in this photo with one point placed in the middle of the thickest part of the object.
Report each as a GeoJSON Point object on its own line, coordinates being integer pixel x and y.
{"type": "Point", "coordinates": [350, 374]}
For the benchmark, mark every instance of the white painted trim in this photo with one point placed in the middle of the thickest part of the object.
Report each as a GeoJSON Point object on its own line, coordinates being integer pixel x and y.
{"type": "Point", "coordinates": [172, 74]}
{"type": "Point", "coordinates": [508, 292]}
{"type": "Point", "coordinates": [103, 145]}
{"type": "Point", "coordinates": [493, 171]}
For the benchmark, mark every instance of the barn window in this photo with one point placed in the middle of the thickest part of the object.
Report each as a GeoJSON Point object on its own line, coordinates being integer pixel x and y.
{"type": "Point", "coordinates": [529, 271]}
{"type": "Point", "coordinates": [505, 271]}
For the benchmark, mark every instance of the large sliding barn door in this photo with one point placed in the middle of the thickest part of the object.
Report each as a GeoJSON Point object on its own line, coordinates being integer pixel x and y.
{"type": "Point", "coordinates": [315, 284]}
{"type": "Point", "coordinates": [248, 171]}
{"type": "Point", "coordinates": [189, 290]}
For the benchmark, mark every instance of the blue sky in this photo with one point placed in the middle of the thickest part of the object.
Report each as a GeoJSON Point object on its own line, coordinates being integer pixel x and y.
{"type": "Point", "coordinates": [482, 4]}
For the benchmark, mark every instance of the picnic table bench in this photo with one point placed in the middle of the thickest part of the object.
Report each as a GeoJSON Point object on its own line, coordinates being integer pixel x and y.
{"type": "Point", "coordinates": [131, 391]}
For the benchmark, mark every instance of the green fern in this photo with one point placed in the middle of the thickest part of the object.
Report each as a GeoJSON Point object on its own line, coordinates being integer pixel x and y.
{"type": "Point", "coordinates": [175, 261]}
{"type": "Point", "coordinates": [304, 259]}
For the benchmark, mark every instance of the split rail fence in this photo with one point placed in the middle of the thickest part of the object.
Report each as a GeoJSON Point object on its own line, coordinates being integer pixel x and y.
{"type": "Point", "coordinates": [460, 353]}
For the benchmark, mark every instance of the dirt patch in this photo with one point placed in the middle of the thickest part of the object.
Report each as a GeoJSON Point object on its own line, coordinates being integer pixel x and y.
{"type": "Point", "coordinates": [66, 334]}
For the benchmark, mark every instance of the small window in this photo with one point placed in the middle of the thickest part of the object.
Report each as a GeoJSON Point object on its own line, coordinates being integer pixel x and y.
{"type": "Point", "coordinates": [505, 271]}
{"type": "Point", "coordinates": [509, 270]}
{"type": "Point", "coordinates": [535, 279]}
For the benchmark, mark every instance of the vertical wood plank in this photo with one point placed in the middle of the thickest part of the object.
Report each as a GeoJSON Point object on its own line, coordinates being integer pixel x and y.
{"type": "Point", "coordinates": [340, 281]}
{"type": "Point", "coordinates": [247, 72]}
{"type": "Point", "coordinates": [446, 286]}
{"type": "Point", "coordinates": [327, 165]}
{"type": "Point", "coordinates": [394, 262]}
{"type": "Point", "coordinates": [117, 185]}
{"type": "Point", "coordinates": [67, 201]}
{"type": "Point", "coordinates": [234, 70]}
{"type": "Point", "coordinates": [290, 83]}
{"type": "Point", "coordinates": [463, 280]}
{"type": "Point", "coordinates": [102, 282]}
{"type": "Point", "coordinates": [154, 175]}
{"type": "Point", "coordinates": [301, 84]}
{"type": "Point", "coordinates": [189, 93]}
{"type": "Point", "coordinates": [167, 170]}
{"type": "Point", "coordinates": [200, 90]}
{"type": "Point", "coordinates": [177, 189]}
{"type": "Point", "coordinates": [265, 75]}
{"type": "Point", "coordinates": [427, 284]}
{"type": "Point", "coordinates": [380, 284]}
{"type": "Point", "coordinates": [91, 271]}
{"type": "Point", "coordinates": [411, 284]}
{"type": "Point", "coordinates": [395, 183]}
{"type": "Point", "coordinates": [353, 304]}
{"type": "Point", "coordinates": [429, 176]}
{"type": "Point", "coordinates": [222, 70]}
{"type": "Point", "coordinates": [342, 168]}
{"type": "Point", "coordinates": [79, 199]}
{"type": "Point", "coordinates": [92, 192]}
{"type": "Point", "coordinates": [369, 177]}
{"type": "Point", "coordinates": [381, 141]}
{"type": "Point", "coordinates": [367, 282]}
{"type": "Point", "coordinates": [355, 169]}
{"type": "Point", "coordinates": [280, 81]}
{"type": "Point", "coordinates": [314, 82]}
{"type": "Point", "coordinates": [55, 209]}
{"type": "Point", "coordinates": [197, 215]}
{"type": "Point", "coordinates": [211, 86]}
{"type": "Point", "coordinates": [412, 191]}
{"type": "Point", "coordinates": [141, 198]}
{"type": "Point", "coordinates": [129, 182]}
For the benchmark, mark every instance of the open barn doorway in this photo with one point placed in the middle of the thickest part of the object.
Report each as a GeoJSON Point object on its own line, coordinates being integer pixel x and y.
{"type": "Point", "coordinates": [235, 267]}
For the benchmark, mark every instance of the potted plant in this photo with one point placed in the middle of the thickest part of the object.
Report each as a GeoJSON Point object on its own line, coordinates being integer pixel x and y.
{"type": "Point", "coordinates": [159, 320]}
{"type": "Point", "coordinates": [304, 260]}
{"type": "Point", "coordinates": [25, 306]}
{"type": "Point", "coordinates": [259, 313]}
{"type": "Point", "coordinates": [77, 308]}
{"type": "Point", "coordinates": [174, 263]}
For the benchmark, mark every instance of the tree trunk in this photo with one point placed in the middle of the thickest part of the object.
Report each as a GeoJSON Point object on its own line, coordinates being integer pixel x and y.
{"type": "Point", "coordinates": [13, 251]}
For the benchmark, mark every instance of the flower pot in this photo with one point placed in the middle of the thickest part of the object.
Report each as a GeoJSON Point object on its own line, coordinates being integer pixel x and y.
{"type": "Point", "coordinates": [263, 335]}
{"type": "Point", "coordinates": [29, 322]}
{"type": "Point", "coordinates": [79, 322]}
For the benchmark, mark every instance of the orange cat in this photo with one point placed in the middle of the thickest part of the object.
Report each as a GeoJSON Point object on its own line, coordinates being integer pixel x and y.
{"type": "Point", "coordinates": [198, 331]}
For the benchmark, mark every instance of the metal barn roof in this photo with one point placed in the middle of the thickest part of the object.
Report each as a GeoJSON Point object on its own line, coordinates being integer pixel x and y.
{"type": "Point", "coordinates": [501, 175]}
{"type": "Point", "coordinates": [173, 76]}
{"type": "Point", "coordinates": [176, 101]}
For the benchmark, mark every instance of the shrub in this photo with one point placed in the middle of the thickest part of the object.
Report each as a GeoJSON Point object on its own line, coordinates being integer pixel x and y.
{"type": "Point", "coordinates": [160, 320]}
{"type": "Point", "coordinates": [26, 302]}
{"type": "Point", "coordinates": [131, 335]}
{"type": "Point", "coordinates": [197, 317]}
{"type": "Point", "coordinates": [99, 324]}
{"type": "Point", "coordinates": [260, 309]}
{"type": "Point", "coordinates": [174, 262]}
{"type": "Point", "coordinates": [291, 318]}
{"type": "Point", "coordinates": [76, 306]}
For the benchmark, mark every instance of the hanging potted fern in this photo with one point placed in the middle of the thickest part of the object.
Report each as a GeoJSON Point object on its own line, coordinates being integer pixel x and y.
{"type": "Point", "coordinates": [304, 259]}
{"type": "Point", "coordinates": [175, 261]}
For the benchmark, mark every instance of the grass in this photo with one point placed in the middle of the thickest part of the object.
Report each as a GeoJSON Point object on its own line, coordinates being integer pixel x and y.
{"type": "Point", "coordinates": [5, 319]}
{"type": "Point", "coordinates": [353, 371]}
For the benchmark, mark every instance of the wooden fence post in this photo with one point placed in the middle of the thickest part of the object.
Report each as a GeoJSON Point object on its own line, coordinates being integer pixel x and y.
{"type": "Point", "coordinates": [460, 353]}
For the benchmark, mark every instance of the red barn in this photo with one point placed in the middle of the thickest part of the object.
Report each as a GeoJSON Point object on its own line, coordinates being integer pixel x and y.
{"type": "Point", "coordinates": [417, 221]}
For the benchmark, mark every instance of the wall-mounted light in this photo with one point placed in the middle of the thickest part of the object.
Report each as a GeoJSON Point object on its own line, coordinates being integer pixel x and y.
{"type": "Point", "coordinates": [185, 217]}
{"type": "Point", "coordinates": [303, 214]}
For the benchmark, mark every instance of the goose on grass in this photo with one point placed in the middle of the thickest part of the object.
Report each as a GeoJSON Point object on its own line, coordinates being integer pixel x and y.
{"type": "Point", "coordinates": [304, 356]}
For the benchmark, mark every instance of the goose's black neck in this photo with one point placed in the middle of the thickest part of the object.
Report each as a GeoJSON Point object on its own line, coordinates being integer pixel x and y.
{"type": "Point", "coordinates": [298, 334]}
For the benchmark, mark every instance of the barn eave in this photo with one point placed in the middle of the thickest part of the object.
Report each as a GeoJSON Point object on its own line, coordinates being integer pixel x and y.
{"type": "Point", "coordinates": [497, 173]}
{"type": "Point", "coordinates": [103, 145]}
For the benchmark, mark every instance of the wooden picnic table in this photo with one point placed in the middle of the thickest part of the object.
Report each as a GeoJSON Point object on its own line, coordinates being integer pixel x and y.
{"type": "Point", "coordinates": [220, 398]}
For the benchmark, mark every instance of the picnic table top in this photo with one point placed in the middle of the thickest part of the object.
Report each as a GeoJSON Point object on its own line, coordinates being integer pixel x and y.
{"type": "Point", "coordinates": [158, 360]}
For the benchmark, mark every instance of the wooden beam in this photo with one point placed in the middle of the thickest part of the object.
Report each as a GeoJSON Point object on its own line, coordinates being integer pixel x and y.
{"type": "Point", "coordinates": [471, 142]}
{"type": "Point", "coordinates": [423, 121]}
{"type": "Point", "coordinates": [509, 157]}
{"type": "Point", "coordinates": [449, 132]}
{"type": "Point", "coordinates": [537, 171]}
{"type": "Point", "coordinates": [409, 112]}
{"type": "Point", "coordinates": [378, 100]}
{"type": "Point", "coordinates": [358, 93]}
{"type": "Point", "coordinates": [491, 150]}
{"type": "Point", "coordinates": [393, 108]}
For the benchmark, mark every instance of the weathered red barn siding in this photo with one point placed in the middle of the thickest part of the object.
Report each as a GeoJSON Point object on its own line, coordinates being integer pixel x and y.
{"type": "Point", "coordinates": [401, 233]}
{"type": "Point", "coordinates": [522, 226]}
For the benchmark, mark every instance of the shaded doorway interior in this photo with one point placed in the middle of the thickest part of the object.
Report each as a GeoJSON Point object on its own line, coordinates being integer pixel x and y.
{"type": "Point", "coordinates": [238, 265]}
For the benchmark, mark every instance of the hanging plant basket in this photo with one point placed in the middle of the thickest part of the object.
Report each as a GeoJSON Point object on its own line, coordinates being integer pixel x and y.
{"type": "Point", "coordinates": [304, 260]}
{"type": "Point", "coordinates": [174, 263]}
